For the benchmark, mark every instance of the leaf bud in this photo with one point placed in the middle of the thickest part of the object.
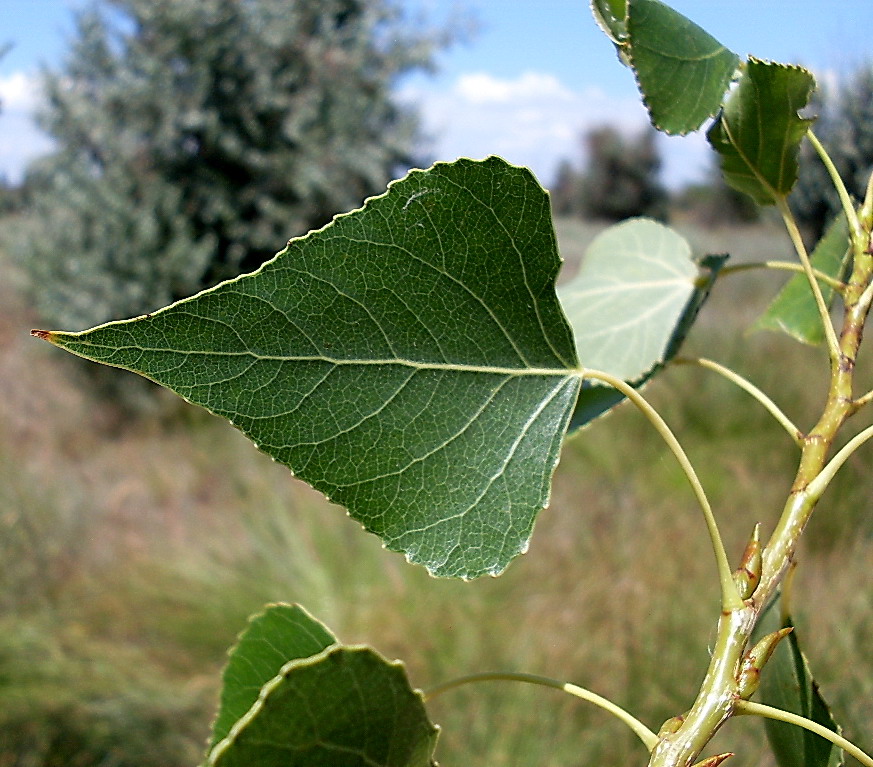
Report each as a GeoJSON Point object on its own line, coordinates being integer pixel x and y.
{"type": "Point", "coordinates": [671, 726]}
{"type": "Point", "coordinates": [748, 574]}
{"type": "Point", "coordinates": [750, 670]}
{"type": "Point", "coordinates": [714, 761]}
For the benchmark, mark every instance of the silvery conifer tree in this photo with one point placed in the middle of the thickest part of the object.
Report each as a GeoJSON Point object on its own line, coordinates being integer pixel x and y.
{"type": "Point", "coordinates": [193, 137]}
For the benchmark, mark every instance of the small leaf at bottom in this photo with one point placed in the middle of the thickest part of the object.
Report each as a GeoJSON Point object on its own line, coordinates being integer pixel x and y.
{"type": "Point", "coordinates": [294, 697]}
{"type": "Point", "coordinates": [346, 707]}
{"type": "Point", "coordinates": [787, 684]}
{"type": "Point", "coordinates": [280, 634]}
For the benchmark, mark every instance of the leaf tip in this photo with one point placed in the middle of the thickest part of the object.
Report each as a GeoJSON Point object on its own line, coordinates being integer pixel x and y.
{"type": "Point", "coordinates": [45, 335]}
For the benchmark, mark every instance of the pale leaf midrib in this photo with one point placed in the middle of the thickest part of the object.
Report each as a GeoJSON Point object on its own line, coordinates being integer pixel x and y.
{"type": "Point", "coordinates": [562, 372]}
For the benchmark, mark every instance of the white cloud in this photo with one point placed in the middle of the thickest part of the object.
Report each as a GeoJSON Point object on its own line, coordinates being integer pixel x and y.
{"type": "Point", "coordinates": [19, 92]}
{"type": "Point", "coordinates": [21, 140]}
{"type": "Point", "coordinates": [534, 120]}
{"type": "Point", "coordinates": [483, 88]}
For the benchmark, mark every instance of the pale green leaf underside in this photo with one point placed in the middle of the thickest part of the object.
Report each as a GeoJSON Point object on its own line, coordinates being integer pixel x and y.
{"type": "Point", "coordinates": [410, 360]}
{"type": "Point", "coordinates": [280, 634]}
{"type": "Point", "coordinates": [646, 265]}
{"type": "Point", "coordinates": [760, 130]}
{"type": "Point", "coordinates": [788, 684]}
{"type": "Point", "coordinates": [630, 292]}
{"type": "Point", "coordinates": [682, 71]}
{"type": "Point", "coordinates": [794, 310]}
{"type": "Point", "coordinates": [596, 400]}
{"type": "Point", "coordinates": [344, 705]}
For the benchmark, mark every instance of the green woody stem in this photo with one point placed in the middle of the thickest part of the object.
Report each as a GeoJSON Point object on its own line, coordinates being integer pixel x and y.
{"type": "Point", "coordinates": [719, 693]}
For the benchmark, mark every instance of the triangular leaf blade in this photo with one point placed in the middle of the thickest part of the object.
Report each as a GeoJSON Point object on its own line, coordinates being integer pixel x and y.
{"type": "Point", "coordinates": [341, 705]}
{"type": "Point", "coordinates": [759, 131]}
{"type": "Point", "coordinates": [794, 310]}
{"type": "Point", "coordinates": [273, 638]}
{"type": "Point", "coordinates": [683, 72]}
{"type": "Point", "coordinates": [787, 684]}
{"type": "Point", "coordinates": [410, 360]}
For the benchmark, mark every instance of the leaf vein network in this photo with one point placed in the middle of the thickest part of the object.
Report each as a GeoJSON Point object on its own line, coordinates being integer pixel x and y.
{"type": "Point", "coordinates": [509, 235]}
{"type": "Point", "coordinates": [506, 461]}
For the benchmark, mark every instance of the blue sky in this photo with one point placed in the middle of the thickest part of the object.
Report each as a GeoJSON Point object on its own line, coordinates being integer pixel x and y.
{"type": "Point", "coordinates": [535, 75]}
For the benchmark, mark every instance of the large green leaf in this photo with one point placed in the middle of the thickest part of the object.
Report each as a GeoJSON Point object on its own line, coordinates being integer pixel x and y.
{"type": "Point", "coordinates": [788, 684]}
{"type": "Point", "coordinates": [794, 311]}
{"type": "Point", "coordinates": [632, 303]}
{"type": "Point", "coordinates": [759, 130]}
{"type": "Point", "coordinates": [683, 72]}
{"type": "Point", "coordinates": [343, 705]}
{"type": "Point", "coordinates": [410, 360]}
{"type": "Point", "coordinates": [280, 634]}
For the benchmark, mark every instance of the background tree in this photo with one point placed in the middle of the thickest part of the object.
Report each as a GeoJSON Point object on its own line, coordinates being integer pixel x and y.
{"type": "Point", "coordinates": [845, 127]}
{"type": "Point", "coordinates": [195, 137]}
{"type": "Point", "coordinates": [622, 176]}
{"type": "Point", "coordinates": [620, 179]}
{"type": "Point", "coordinates": [564, 190]}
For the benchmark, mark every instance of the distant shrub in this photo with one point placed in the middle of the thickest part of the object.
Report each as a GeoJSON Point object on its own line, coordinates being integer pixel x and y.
{"type": "Point", "coordinates": [620, 179]}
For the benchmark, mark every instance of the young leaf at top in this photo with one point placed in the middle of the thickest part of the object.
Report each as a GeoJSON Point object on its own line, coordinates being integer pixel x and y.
{"type": "Point", "coordinates": [793, 311]}
{"type": "Point", "coordinates": [410, 360]}
{"type": "Point", "coordinates": [610, 17]}
{"type": "Point", "coordinates": [338, 705]}
{"type": "Point", "coordinates": [759, 130]}
{"type": "Point", "coordinates": [787, 684]}
{"type": "Point", "coordinates": [682, 71]}
{"type": "Point", "coordinates": [633, 301]}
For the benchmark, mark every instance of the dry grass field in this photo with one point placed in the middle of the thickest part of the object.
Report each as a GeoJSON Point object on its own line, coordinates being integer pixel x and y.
{"type": "Point", "coordinates": [132, 553]}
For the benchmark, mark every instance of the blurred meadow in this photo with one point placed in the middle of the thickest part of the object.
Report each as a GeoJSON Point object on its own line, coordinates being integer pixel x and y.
{"type": "Point", "coordinates": [131, 555]}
